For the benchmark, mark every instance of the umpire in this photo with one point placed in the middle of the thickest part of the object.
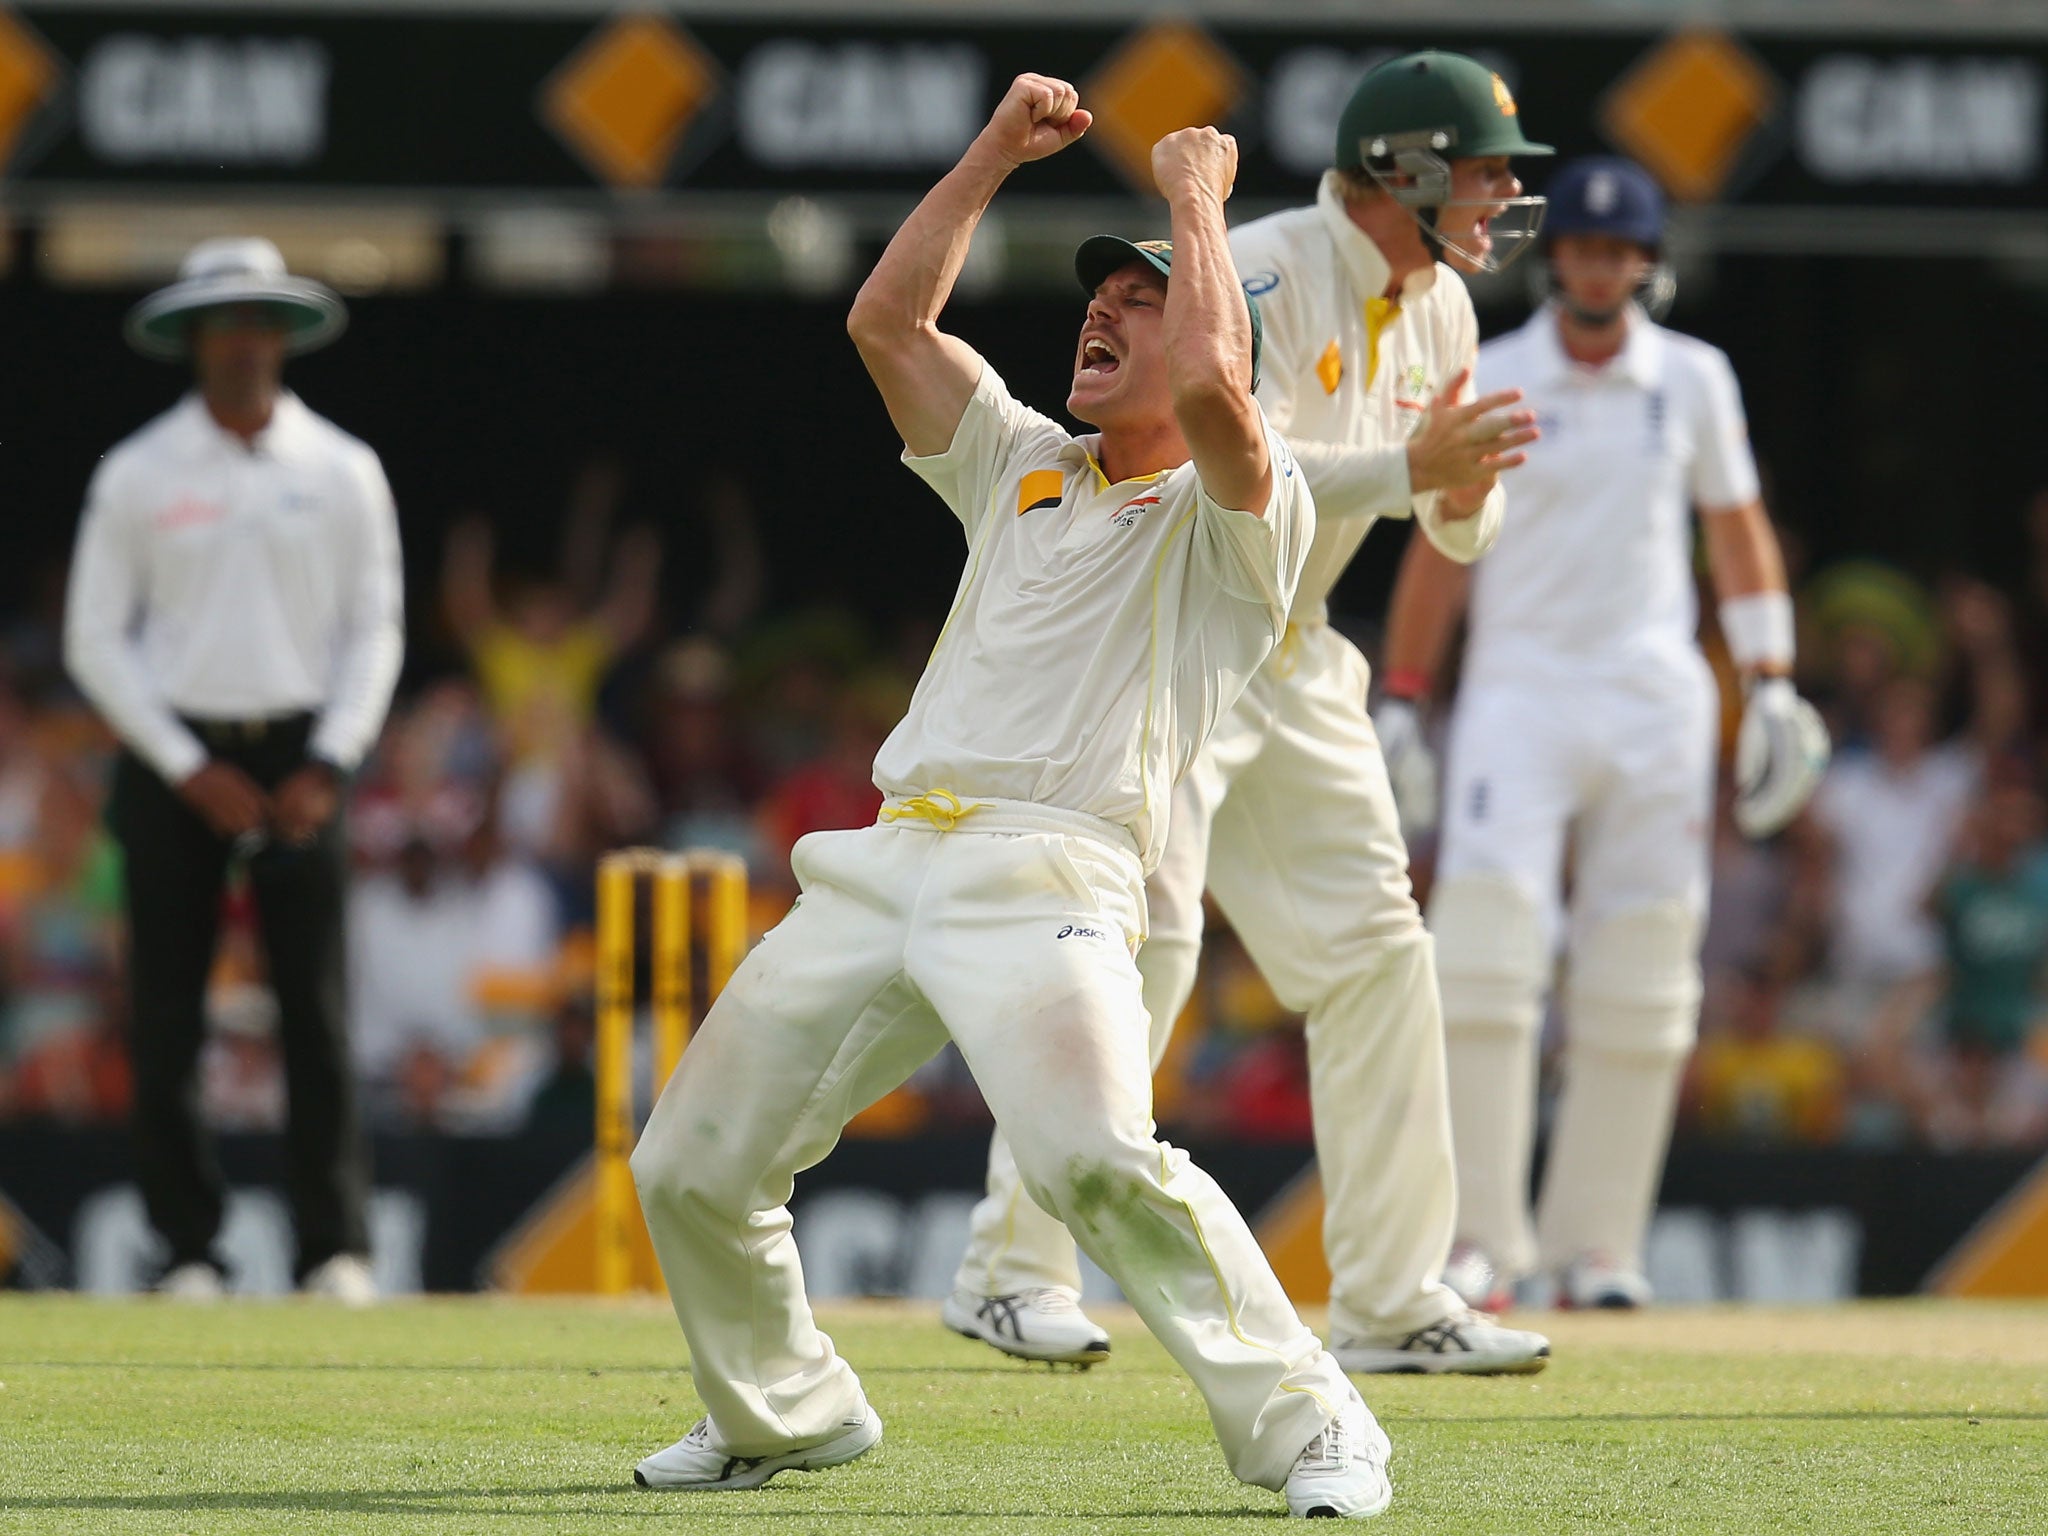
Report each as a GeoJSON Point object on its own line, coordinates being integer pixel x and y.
{"type": "Point", "coordinates": [235, 614]}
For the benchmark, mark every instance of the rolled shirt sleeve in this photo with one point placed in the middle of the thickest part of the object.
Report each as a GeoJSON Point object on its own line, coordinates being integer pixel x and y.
{"type": "Point", "coordinates": [1257, 556]}
{"type": "Point", "coordinates": [992, 426]}
{"type": "Point", "coordinates": [101, 610]}
{"type": "Point", "coordinates": [1464, 539]}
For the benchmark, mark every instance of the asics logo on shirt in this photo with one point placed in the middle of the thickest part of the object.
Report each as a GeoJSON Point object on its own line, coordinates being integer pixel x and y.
{"type": "Point", "coordinates": [1080, 931]}
{"type": "Point", "coordinates": [1127, 515]}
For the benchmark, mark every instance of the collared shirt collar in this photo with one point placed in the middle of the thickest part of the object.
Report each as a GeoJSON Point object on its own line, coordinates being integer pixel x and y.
{"type": "Point", "coordinates": [288, 418]}
{"type": "Point", "coordinates": [1641, 359]}
{"type": "Point", "coordinates": [1368, 269]}
{"type": "Point", "coordinates": [1081, 452]}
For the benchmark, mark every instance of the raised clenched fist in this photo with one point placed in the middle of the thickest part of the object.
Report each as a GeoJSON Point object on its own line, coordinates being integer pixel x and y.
{"type": "Point", "coordinates": [1038, 116]}
{"type": "Point", "coordinates": [1195, 160]}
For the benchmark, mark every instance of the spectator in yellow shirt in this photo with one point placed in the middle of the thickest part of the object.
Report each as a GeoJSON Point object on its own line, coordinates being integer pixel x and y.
{"type": "Point", "coordinates": [1751, 1083]}
{"type": "Point", "coordinates": [541, 657]}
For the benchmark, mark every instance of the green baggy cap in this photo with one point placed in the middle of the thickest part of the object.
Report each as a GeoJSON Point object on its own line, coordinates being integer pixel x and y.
{"type": "Point", "coordinates": [1432, 92]}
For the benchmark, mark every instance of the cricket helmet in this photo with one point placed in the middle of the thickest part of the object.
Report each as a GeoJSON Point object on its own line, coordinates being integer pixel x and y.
{"type": "Point", "coordinates": [1411, 116]}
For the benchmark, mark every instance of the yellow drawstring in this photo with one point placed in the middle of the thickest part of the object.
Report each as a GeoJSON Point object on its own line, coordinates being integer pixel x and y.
{"type": "Point", "coordinates": [1288, 652]}
{"type": "Point", "coordinates": [942, 808]}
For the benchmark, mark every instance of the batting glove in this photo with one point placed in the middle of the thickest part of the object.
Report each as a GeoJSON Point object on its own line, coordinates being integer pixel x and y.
{"type": "Point", "coordinates": [1411, 765]}
{"type": "Point", "coordinates": [1780, 754]}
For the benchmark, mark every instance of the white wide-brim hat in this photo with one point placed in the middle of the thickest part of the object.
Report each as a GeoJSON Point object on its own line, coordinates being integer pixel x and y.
{"type": "Point", "coordinates": [235, 270]}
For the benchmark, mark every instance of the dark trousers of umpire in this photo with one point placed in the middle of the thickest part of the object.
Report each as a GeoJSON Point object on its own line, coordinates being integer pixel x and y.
{"type": "Point", "coordinates": [176, 868]}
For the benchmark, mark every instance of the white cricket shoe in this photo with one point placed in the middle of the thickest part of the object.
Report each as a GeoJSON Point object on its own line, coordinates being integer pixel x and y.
{"type": "Point", "coordinates": [695, 1462]}
{"type": "Point", "coordinates": [197, 1281]}
{"type": "Point", "coordinates": [1342, 1473]}
{"type": "Point", "coordinates": [1477, 1280]}
{"type": "Point", "coordinates": [1045, 1323]}
{"type": "Point", "coordinates": [1468, 1343]}
{"type": "Point", "coordinates": [1594, 1282]}
{"type": "Point", "coordinates": [344, 1278]}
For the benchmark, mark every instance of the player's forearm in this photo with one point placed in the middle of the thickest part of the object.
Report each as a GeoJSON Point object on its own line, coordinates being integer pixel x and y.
{"type": "Point", "coordinates": [1354, 482]}
{"type": "Point", "coordinates": [1207, 329]}
{"type": "Point", "coordinates": [1429, 599]}
{"type": "Point", "coordinates": [915, 277]}
{"type": "Point", "coordinates": [1749, 579]}
{"type": "Point", "coordinates": [1742, 552]}
{"type": "Point", "coordinates": [1208, 340]}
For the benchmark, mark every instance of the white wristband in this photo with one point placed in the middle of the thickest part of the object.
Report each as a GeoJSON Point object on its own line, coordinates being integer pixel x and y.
{"type": "Point", "coordinates": [1758, 628]}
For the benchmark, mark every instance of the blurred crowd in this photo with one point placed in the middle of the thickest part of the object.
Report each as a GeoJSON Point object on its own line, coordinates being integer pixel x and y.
{"type": "Point", "coordinates": [1874, 976]}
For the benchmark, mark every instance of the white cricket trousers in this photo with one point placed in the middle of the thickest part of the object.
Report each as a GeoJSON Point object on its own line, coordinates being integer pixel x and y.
{"type": "Point", "coordinates": [1011, 935]}
{"type": "Point", "coordinates": [1616, 774]}
{"type": "Point", "coordinates": [1288, 815]}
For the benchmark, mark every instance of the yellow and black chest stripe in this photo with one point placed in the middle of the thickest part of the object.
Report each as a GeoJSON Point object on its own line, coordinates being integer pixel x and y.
{"type": "Point", "coordinates": [1040, 488]}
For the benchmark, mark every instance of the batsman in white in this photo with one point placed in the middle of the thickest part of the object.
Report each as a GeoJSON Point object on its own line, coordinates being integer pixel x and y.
{"type": "Point", "coordinates": [1587, 720]}
{"type": "Point", "coordinates": [1370, 343]}
{"type": "Point", "coordinates": [1119, 589]}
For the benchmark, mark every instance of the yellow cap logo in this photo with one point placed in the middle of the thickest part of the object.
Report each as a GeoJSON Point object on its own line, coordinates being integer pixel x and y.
{"type": "Point", "coordinates": [1501, 98]}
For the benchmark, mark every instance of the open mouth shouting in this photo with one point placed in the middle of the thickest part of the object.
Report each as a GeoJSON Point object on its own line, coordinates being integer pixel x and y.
{"type": "Point", "coordinates": [1098, 357]}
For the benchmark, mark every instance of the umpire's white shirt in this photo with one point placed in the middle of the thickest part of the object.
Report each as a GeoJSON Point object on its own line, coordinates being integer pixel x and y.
{"type": "Point", "coordinates": [1099, 630]}
{"type": "Point", "coordinates": [226, 580]}
{"type": "Point", "coordinates": [1348, 375]}
{"type": "Point", "coordinates": [1594, 576]}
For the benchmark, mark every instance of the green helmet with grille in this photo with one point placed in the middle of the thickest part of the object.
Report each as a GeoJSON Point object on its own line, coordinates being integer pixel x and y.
{"type": "Point", "coordinates": [1411, 116]}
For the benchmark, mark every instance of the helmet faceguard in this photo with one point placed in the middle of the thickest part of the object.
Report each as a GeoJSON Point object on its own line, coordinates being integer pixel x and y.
{"type": "Point", "coordinates": [1419, 157]}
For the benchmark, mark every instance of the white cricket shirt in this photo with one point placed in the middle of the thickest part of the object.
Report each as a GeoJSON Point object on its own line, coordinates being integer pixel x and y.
{"type": "Point", "coordinates": [227, 580]}
{"type": "Point", "coordinates": [1099, 629]}
{"type": "Point", "coordinates": [1347, 374]}
{"type": "Point", "coordinates": [1594, 573]}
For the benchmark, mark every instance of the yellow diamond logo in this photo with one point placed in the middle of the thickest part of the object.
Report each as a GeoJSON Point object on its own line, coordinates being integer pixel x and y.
{"type": "Point", "coordinates": [28, 71]}
{"type": "Point", "coordinates": [1686, 109]}
{"type": "Point", "coordinates": [1165, 77]}
{"type": "Point", "coordinates": [624, 100]}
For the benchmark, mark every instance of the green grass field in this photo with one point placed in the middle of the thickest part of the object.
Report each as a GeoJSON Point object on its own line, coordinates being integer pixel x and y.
{"type": "Point", "coordinates": [507, 1417]}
